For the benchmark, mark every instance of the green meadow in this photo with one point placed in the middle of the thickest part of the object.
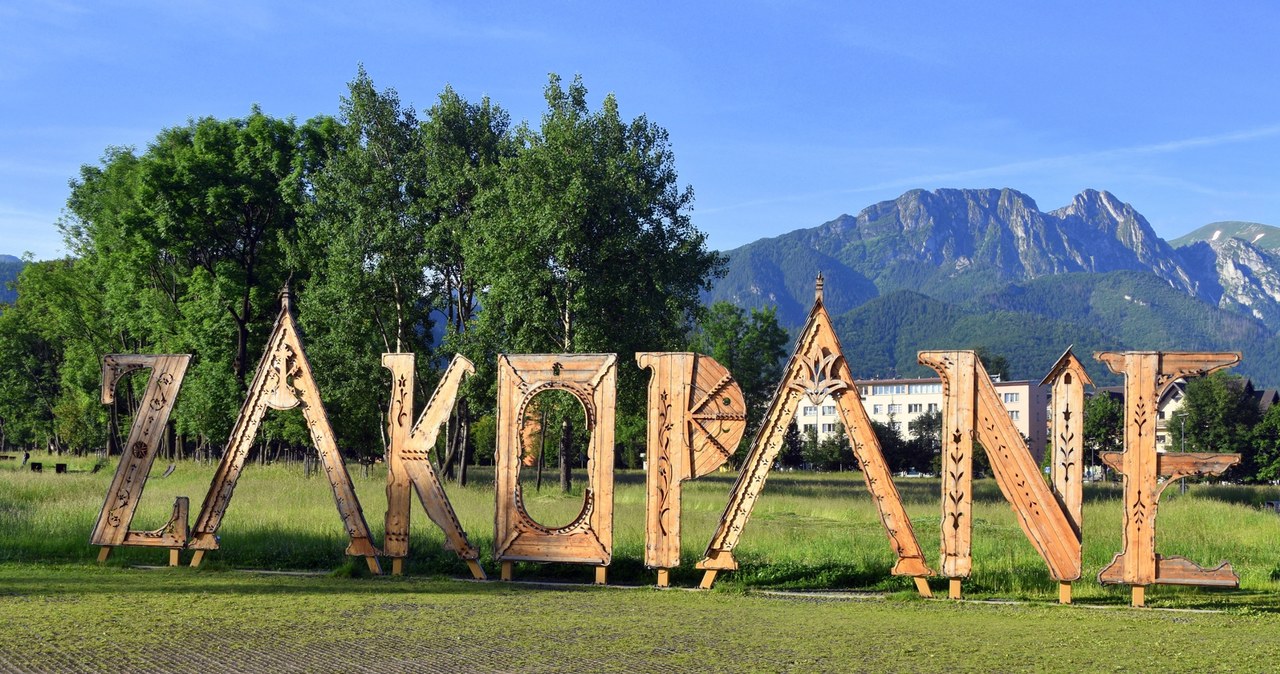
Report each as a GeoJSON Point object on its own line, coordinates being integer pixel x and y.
{"type": "Point", "coordinates": [813, 592]}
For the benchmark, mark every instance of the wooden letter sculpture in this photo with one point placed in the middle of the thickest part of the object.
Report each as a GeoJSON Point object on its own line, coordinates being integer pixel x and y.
{"type": "Point", "coordinates": [817, 369]}
{"type": "Point", "coordinates": [972, 407]}
{"type": "Point", "coordinates": [696, 418]}
{"type": "Point", "coordinates": [283, 381]}
{"type": "Point", "coordinates": [592, 379]}
{"type": "Point", "coordinates": [409, 461]}
{"type": "Point", "coordinates": [1146, 376]}
{"type": "Point", "coordinates": [139, 454]}
{"type": "Point", "coordinates": [1067, 379]}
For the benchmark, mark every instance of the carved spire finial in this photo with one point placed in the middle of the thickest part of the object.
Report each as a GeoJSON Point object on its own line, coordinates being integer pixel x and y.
{"type": "Point", "coordinates": [817, 289]}
{"type": "Point", "coordinates": [284, 296]}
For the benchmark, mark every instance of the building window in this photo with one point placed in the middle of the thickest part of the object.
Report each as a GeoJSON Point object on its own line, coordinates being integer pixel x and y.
{"type": "Point", "coordinates": [1160, 415]}
{"type": "Point", "coordinates": [1159, 439]}
{"type": "Point", "coordinates": [828, 428]}
{"type": "Point", "coordinates": [810, 427]}
{"type": "Point", "coordinates": [914, 408]}
{"type": "Point", "coordinates": [877, 409]}
{"type": "Point", "coordinates": [809, 410]}
{"type": "Point", "coordinates": [828, 409]}
{"type": "Point", "coordinates": [888, 389]}
{"type": "Point", "coordinates": [925, 388]}
{"type": "Point", "coordinates": [933, 407]}
{"type": "Point", "coordinates": [1013, 414]}
{"type": "Point", "coordinates": [1011, 397]}
{"type": "Point", "coordinates": [895, 409]}
{"type": "Point", "coordinates": [896, 426]}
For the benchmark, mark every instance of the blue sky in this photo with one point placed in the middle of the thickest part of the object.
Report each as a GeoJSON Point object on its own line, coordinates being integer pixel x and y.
{"type": "Point", "coordinates": [782, 114]}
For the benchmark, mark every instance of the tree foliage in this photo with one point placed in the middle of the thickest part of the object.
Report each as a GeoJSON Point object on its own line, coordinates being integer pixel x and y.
{"type": "Point", "coordinates": [448, 231]}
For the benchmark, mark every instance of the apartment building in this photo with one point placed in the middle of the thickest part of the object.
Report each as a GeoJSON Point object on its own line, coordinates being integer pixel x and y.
{"type": "Point", "coordinates": [897, 402]}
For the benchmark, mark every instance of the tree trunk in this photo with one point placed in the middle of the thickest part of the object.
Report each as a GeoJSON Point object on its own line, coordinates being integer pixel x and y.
{"type": "Point", "coordinates": [464, 429]}
{"type": "Point", "coordinates": [566, 444]}
{"type": "Point", "coordinates": [450, 446]}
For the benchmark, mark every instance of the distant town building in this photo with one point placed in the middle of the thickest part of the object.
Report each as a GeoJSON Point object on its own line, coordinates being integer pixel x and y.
{"type": "Point", "coordinates": [898, 402]}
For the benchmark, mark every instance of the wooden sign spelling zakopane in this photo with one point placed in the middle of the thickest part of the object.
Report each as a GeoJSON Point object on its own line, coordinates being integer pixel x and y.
{"type": "Point", "coordinates": [588, 539]}
{"type": "Point", "coordinates": [1147, 375]}
{"type": "Point", "coordinates": [409, 461]}
{"type": "Point", "coordinates": [697, 415]}
{"type": "Point", "coordinates": [283, 381]}
{"type": "Point", "coordinates": [817, 369]}
{"type": "Point", "coordinates": [139, 454]}
{"type": "Point", "coordinates": [972, 410]}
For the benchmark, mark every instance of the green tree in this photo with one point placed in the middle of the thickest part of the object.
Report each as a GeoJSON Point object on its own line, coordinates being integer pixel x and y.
{"type": "Point", "coordinates": [752, 348]}
{"type": "Point", "coordinates": [1266, 446]}
{"type": "Point", "coordinates": [464, 149]}
{"type": "Point", "coordinates": [598, 253]}
{"type": "Point", "coordinates": [792, 454]}
{"type": "Point", "coordinates": [1218, 414]}
{"type": "Point", "coordinates": [1103, 426]}
{"type": "Point", "coordinates": [925, 449]}
{"type": "Point", "coordinates": [995, 364]}
{"type": "Point", "coordinates": [369, 289]}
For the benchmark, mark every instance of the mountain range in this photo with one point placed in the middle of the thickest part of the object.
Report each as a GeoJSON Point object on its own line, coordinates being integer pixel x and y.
{"type": "Point", "coordinates": [961, 268]}
{"type": "Point", "coordinates": [9, 268]}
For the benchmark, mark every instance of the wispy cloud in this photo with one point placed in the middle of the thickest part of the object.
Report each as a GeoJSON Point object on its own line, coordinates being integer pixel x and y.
{"type": "Point", "coordinates": [1038, 164]}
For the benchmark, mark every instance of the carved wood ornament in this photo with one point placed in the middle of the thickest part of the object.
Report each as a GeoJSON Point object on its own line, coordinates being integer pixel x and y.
{"type": "Point", "coordinates": [112, 528]}
{"type": "Point", "coordinates": [972, 410]}
{"type": "Point", "coordinates": [817, 368]}
{"type": "Point", "coordinates": [1067, 380]}
{"type": "Point", "coordinates": [283, 381]}
{"type": "Point", "coordinates": [409, 461]}
{"type": "Point", "coordinates": [1147, 374]}
{"type": "Point", "coordinates": [697, 415]}
{"type": "Point", "coordinates": [592, 380]}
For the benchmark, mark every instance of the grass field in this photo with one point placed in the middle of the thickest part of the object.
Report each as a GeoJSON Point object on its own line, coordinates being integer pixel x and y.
{"type": "Point", "coordinates": [809, 532]}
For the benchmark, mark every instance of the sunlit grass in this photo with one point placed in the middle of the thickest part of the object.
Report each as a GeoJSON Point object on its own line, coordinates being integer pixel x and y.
{"type": "Point", "coordinates": [808, 531]}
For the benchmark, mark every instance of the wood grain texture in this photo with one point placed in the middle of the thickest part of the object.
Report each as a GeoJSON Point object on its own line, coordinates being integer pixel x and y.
{"type": "Point", "coordinates": [592, 379]}
{"type": "Point", "coordinates": [409, 458]}
{"type": "Point", "coordinates": [697, 415]}
{"type": "Point", "coordinates": [976, 412]}
{"type": "Point", "coordinates": [1067, 380]}
{"type": "Point", "coordinates": [1146, 376]}
{"type": "Point", "coordinates": [283, 380]}
{"type": "Point", "coordinates": [817, 369]}
{"type": "Point", "coordinates": [139, 452]}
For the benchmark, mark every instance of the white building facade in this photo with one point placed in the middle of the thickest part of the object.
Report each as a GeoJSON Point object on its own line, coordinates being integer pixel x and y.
{"type": "Point", "coordinates": [898, 402]}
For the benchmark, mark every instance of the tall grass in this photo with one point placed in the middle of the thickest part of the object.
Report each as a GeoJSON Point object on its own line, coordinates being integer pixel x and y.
{"type": "Point", "coordinates": [808, 530]}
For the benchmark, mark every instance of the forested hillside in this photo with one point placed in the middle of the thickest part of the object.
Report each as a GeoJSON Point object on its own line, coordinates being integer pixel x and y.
{"type": "Point", "coordinates": [9, 268]}
{"type": "Point", "coordinates": [988, 268]}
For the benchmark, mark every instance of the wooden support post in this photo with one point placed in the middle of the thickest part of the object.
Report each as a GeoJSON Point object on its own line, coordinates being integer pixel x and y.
{"type": "Point", "coordinates": [507, 570]}
{"type": "Point", "coordinates": [664, 578]}
{"type": "Point", "coordinates": [476, 571]}
{"type": "Point", "coordinates": [602, 575]}
{"type": "Point", "coordinates": [954, 589]}
{"type": "Point", "coordinates": [173, 557]}
{"type": "Point", "coordinates": [197, 558]}
{"type": "Point", "coordinates": [1139, 596]}
{"type": "Point", "coordinates": [104, 553]}
{"type": "Point", "coordinates": [397, 566]}
{"type": "Point", "coordinates": [1064, 593]}
{"type": "Point", "coordinates": [374, 567]}
{"type": "Point", "coordinates": [708, 579]}
{"type": "Point", "coordinates": [922, 586]}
